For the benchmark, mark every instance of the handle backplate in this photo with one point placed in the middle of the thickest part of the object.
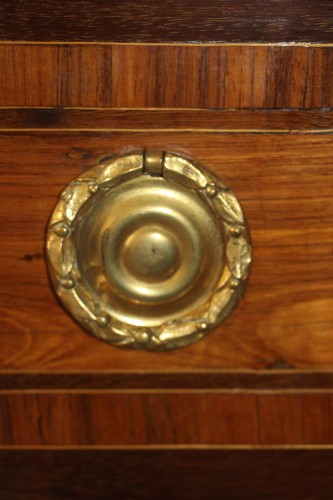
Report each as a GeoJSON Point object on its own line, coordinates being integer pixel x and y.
{"type": "Point", "coordinates": [148, 250]}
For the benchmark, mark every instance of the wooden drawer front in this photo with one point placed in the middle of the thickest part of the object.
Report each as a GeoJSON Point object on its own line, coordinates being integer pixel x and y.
{"type": "Point", "coordinates": [284, 183]}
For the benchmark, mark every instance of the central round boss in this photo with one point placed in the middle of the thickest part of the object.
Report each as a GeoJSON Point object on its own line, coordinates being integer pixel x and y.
{"type": "Point", "coordinates": [145, 250]}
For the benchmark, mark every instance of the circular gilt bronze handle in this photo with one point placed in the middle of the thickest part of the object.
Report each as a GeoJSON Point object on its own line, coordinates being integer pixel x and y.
{"type": "Point", "coordinates": [148, 250]}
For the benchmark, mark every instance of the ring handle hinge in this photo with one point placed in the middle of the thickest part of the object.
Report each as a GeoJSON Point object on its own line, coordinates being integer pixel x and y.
{"type": "Point", "coordinates": [153, 162]}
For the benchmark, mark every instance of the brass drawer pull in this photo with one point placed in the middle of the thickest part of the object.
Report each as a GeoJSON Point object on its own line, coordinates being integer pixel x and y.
{"type": "Point", "coordinates": [148, 250]}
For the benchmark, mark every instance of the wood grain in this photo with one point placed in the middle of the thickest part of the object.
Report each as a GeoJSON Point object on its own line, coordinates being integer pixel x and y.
{"type": "Point", "coordinates": [284, 183]}
{"type": "Point", "coordinates": [55, 75]}
{"type": "Point", "coordinates": [134, 76]}
{"type": "Point", "coordinates": [254, 120]}
{"type": "Point", "coordinates": [165, 21]}
{"type": "Point", "coordinates": [164, 474]}
{"type": "Point", "coordinates": [60, 387]}
{"type": "Point", "coordinates": [159, 418]}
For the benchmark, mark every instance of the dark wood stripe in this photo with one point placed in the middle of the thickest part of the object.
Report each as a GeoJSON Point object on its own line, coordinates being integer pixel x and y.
{"type": "Point", "coordinates": [165, 474]}
{"type": "Point", "coordinates": [134, 119]}
{"type": "Point", "coordinates": [229, 380]}
{"type": "Point", "coordinates": [167, 21]}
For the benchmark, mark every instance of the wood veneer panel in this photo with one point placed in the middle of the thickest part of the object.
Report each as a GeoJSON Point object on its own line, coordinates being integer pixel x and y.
{"type": "Point", "coordinates": [128, 418]}
{"type": "Point", "coordinates": [167, 21]}
{"type": "Point", "coordinates": [134, 76]}
{"type": "Point", "coordinates": [254, 120]}
{"type": "Point", "coordinates": [285, 186]}
{"type": "Point", "coordinates": [222, 77]}
{"type": "Point", "coordinates": [41, 75]}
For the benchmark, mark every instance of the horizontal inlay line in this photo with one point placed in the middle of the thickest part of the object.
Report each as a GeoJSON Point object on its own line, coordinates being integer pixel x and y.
{"type": "Point", "coordinates": [173, 109]}
{"type": "Point", "coordinates": [256, 392]}
{"type": "Point", "coordinates": [171, 44]}
{"type": "Point", "coordinates": [170, 130]}
{"type": "Point", "coordinates": [176, 447]}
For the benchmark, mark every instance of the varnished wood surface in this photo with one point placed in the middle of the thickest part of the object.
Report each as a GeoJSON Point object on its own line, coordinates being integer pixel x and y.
{"type": "Point", "coordinates": [284, 183]}
{"type": "Point", "coordinates": [134, 76]}
{"type": "Point", "coordinates": [254, 120]}
{"type": "Point", "coordinates": [59, 386]}
{"type": "Point", "coordinates": [166, 21]}
{"type": "Point", "coordinates": [156, 418]}
{"type": "Point", "coordinates": [164, 474]}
